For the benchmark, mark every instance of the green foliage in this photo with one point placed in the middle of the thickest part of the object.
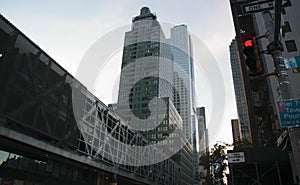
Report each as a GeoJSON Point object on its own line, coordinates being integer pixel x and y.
{"type": "Point", "coordinates": [215, 164]}
{"type": "Point", "coordinates": [242, 144]}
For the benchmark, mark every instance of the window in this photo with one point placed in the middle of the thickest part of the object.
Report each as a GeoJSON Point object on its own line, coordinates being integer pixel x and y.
{"type": "Point", "coordinates": [290, 45]}
{"type": "Point", "coordinates": [286, 27]}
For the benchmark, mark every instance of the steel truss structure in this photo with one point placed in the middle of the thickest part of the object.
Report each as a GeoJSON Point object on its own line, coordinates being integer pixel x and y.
{"type": "Point", "coordinates": [107, 138]}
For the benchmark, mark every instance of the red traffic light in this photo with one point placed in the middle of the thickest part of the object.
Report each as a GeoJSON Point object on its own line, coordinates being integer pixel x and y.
{"type": "Point", "coordinates": [248, 50]}
{"type": "Point", "coordinates": [247, 41]}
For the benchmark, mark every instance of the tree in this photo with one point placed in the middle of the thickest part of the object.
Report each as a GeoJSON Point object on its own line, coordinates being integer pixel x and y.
{"type": "Point", "coordinates": [215, 163]}
{"type": "Point", "coordinates": [204, 176]}
{"type": "Point", "coordinates": [242, 144]}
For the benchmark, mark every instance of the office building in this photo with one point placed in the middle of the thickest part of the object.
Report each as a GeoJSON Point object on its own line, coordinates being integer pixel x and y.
{"type": "Point", "coordinates": [184, 83]}
{"type": "Point", "coordinates": [261, 114]}
{"type": "Point", "coordinates": [239, 90]}
{"type": "Point", "coordinates": [203, 140]}
{"type": "Point", "coordinates": [146, 89]}
{"type": "Point", "coordinates": [203, 131]}
{"type": "Point", "coordinates": [181, 48]}
{"type": "Point", "coordinates": [236, 130]}
{"type": "Point", "coordinates": [262, 94]}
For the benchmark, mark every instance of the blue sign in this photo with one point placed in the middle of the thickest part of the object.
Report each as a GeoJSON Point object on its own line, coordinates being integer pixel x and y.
{"type": "Point", "coordinates": [293, 63]}
{"type": "Point", "coordinates": [289, 112]}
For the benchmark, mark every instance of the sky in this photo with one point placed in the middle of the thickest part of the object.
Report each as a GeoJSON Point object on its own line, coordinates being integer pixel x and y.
{"type": "Point", "coordinates": [67, 29]}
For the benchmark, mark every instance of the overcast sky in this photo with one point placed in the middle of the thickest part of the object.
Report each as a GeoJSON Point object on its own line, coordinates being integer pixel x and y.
{"type": "Point", "coordinates": [66, 29]}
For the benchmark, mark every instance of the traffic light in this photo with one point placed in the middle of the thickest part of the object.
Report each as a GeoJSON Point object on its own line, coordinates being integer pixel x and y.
{"type": "Point", "coordinates": [250, 52]}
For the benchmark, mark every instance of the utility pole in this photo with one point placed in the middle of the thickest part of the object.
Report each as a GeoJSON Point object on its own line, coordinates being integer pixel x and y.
{"type": "Point", "coordinates": [275, 49]}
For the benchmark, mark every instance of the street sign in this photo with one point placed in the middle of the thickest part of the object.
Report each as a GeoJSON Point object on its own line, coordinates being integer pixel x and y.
{"type": "Point", "coordinates": [289, 112]}
{"type": "Point", "coordinates": [236, 157]}
{"type": "Point", "coordinates": [257, 6]}
{"type": "Point", "coordinates": [261, 6]}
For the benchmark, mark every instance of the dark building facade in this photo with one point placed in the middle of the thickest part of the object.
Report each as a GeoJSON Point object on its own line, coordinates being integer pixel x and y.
{"type": "Point", "coordinates": [236, 130]}
{"type": "Point", "coordinates": [269, 163]}
{"type": "Point", "coordinates": [263, 130]}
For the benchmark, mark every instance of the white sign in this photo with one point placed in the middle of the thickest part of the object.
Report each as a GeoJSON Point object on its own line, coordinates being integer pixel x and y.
{"type": "Point", "coordinates": [262, 6]}
{"type": "Point", "coordinates": [236, 157]}
{"type": "Point", "coordinates": [257, 7]}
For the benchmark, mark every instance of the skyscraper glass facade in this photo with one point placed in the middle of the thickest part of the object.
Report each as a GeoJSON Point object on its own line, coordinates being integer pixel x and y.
{"type": "Point", "coordinates": [181, 47]}
{"type": "Point", "coordinates": [239, 89]}
{"type": "Point", "coordinates": [146, 91]}
{"type": "Point", "coordinates": [146, 85]}
{"type": "Point", "coordinates": [184, 76]}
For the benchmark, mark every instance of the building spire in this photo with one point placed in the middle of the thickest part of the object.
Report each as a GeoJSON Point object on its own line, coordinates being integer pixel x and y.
{"type": "Point", "coordinates": [145, 10]}
{"type": "Point", "coordinates": [145, 14]}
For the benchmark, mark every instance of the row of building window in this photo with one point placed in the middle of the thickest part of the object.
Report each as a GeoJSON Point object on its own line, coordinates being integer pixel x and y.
{"type": "Point", "coordinates": [290, 44]}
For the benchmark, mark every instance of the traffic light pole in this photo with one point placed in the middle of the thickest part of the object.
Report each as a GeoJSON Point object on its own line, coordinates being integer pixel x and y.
{"type": "Point", "coordinates": [275, 49]}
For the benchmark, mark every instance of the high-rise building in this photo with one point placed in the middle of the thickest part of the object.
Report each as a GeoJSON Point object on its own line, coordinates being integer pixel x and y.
{"type": "Point", "coordinates": [203, 139]}
{"type": "Point", "coordinates": [239, 90]}
{"type": "Point", "coordinates": [236, 130]}
{"type": "Point", "coordinates": [203, 131]}
{"type": "Point", "coordinates": [184, 83]}
{"type": "Point", "coordinates": [181, 48]}
{"type": "Point", "coordinates": [147, 68]}
{"type": "Point", "coordinates": [146, 89]}
{"type": "Point", "coordinates": [146, 76]}
{"type": "Point", "coordinates": [262, 94]}
{"type": "Point", "coordinates": [257, 94]}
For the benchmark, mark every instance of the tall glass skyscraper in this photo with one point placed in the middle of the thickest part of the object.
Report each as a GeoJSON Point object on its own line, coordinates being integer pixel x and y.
{"type": "Point", "coordinates": [240, 97]}
{"type": "Point", "coordinates": [184, 76]}
{"type": "Point", "coordinates": [181, 47]}
{"type": "Point", "coordinates": [203, 131]}
{"type": "Point", "coordinates": [146, 91]}
{"type": "Point", "coordinates": [146, 85]}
